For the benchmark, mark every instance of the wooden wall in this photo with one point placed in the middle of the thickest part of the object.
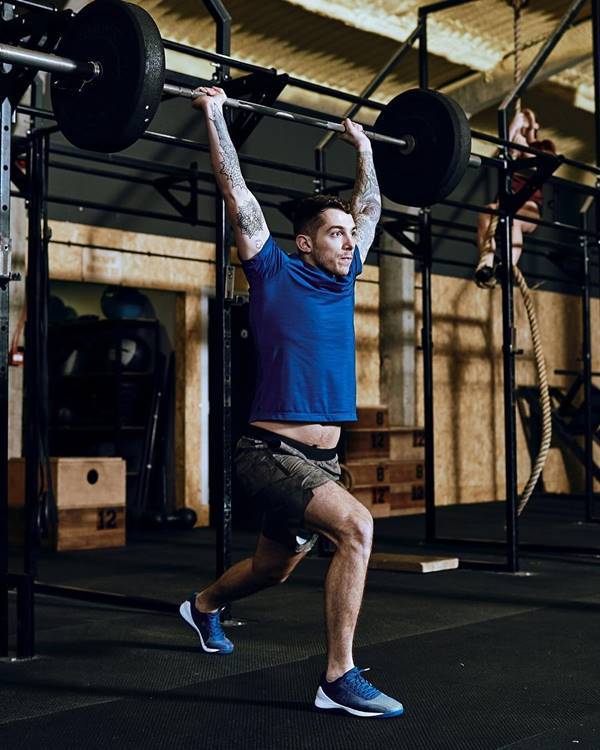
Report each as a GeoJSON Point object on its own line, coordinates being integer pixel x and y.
{"type": "Point", "coordinates": [468, 395]}
{"type": "Point", "coordinates": [99, 255]}
{"type": "Point", "coordinates": [467, 362]}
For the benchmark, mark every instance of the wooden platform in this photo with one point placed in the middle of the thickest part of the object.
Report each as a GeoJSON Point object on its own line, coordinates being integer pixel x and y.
{"type": "Point", "coordinates": [412, 563]}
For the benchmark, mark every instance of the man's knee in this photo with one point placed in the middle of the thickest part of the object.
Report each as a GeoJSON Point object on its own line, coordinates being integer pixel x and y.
{"type": "Point", "coordinates": [357, 530]}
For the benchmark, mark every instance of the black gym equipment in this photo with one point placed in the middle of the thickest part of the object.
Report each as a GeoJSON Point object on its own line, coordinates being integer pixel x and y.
{"type": "Point", "coordinates": [442, 146]}
{"type": "Point", "coordinates": [109, 79]}
{"type": "Point", "coordinates": [112, 109]}
{"type": "Point", "coordinates": [33, 189]}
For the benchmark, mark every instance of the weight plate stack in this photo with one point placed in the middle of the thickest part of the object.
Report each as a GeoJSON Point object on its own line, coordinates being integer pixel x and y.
{"type": "Point", "coordinates": [431, 171]}
{"type": "Point", "coordinates": [111, 112]}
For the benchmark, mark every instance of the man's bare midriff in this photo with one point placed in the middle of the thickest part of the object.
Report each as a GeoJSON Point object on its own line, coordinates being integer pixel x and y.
{"type": "Point", "coordinates": [317, 435]}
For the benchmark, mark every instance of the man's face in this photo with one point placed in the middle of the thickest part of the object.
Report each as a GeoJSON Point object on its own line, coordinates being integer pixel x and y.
{"type": "Point", "coordinates": [332, 247]}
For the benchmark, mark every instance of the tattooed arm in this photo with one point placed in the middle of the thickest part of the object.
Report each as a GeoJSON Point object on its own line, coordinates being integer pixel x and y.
{"type": "Point", "coordinates": [249, 224]}
{"type": "Point", "coordinates": [365, 203]}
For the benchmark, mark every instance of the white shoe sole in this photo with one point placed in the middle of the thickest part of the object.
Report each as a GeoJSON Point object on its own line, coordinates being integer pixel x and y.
{"type": "Point", "coordinates": [185, 611]}
{"type": "Point", "coordinates": [324, 702]}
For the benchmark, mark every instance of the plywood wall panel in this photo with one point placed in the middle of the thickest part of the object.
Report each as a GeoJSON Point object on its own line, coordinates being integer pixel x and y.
{"type": "Point", "coordinates": [100, 255]}
{"type": "Point", "coordinates": [79, 252]}
{"type": "Point", "coordinates": [366, 322]}
{"type": "Point", "coordinates": [188, 411]}
{"type": "Point", "coordinates": [468, 390]}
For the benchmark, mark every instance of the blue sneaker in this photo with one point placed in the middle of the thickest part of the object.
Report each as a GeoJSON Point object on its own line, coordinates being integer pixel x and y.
{"type": "Point", "coordinates": [208, 626]}
{"type": "Point", "coordinates": [355, 695]}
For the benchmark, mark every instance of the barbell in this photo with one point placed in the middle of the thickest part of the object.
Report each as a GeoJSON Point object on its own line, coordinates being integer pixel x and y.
{"type": "Point", "coordinates": [108, 79]}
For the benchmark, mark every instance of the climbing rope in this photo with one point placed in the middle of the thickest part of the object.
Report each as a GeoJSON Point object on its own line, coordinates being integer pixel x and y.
{"type": "Point", "coordinates": [485, 275]}
{"type": "Point", "coordinates": [517, 6]}
{"type": "Point", "coordinates": [540, 364]}
{"type": "Point", "coordinates": [486, 278]}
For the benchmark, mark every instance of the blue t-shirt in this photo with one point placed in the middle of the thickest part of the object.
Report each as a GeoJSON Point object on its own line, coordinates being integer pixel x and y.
{"type": "Point", "coordinates": [302, 320]}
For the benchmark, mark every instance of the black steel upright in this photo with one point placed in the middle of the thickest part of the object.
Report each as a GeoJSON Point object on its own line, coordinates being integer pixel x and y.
{"type": "Point", "coordinates": [222, 21]}
{"type": "Point", "coordinates": [426, 331]}
{"type": "Point", "coordinates": [5, 270]}
{"type": "Point", "coordinates": [504, 239]}
{"type": "Point", "coordinates": [595, 56]}
{"type": "Point", "coordinates": [586, 358]}
{"type": "Point", "coordinates": [587, 338]}
{"type": "Point", "coordinates": [423, 63]}
{"type": "Point", "coordinates": [223, 325]}
{"type": "Point", "coordinates": [427, 346]}
{"type": "Point", "coordinates": [35, 378]}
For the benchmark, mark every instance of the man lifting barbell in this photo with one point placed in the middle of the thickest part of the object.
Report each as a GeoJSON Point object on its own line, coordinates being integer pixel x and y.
{"type": "Point", "coordinates": [302, 318]}
{"type": "Point", "coordinates": [524, 132]}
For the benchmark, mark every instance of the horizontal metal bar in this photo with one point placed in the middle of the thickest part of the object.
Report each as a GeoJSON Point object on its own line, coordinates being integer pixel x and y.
{"type": "Point", "coordinates": [105, 597]}
{"type": "Point", "coordinates": [225, 60]}
{"type": "Point", "coordinates": [184, 175]}
{"type": "Point", "coordinates": [34, 5]}
{"type": "Point", "coordinates": [487, 137]}
{"type": "Point", "coordinates": [573, 250]}
{"type": "Point", "coordinates": [436, 260]}
{"type": "Point", "coordinates": [259, 187]}
{"type": "Point", "coordinates": [48, 62]}
{"type": "Point", "coordinates": [78, 169]}
{"type": "Point", "coordinates": [90, 70]}
{"type": "Point", "coordinates": [406, 144]}
{"type": "Point", "coordinates": [63, 201]}
{"type": "Point", "coordinates": [540, 222]}
{"type": "Point", "coordinates": [129, 251]}
{"type": "Point", "coordinates": [576, 372]}
{"type": "Point", "coordinates": [194, 146]}
{"type": "Point", "coordinates": [557, 549]}
{"type": "Point", "coordinates": [126, 162]}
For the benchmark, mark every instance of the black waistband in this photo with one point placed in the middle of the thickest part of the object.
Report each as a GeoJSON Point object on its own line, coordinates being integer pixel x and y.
{"type": "Point", "coordinates": [273, 440]}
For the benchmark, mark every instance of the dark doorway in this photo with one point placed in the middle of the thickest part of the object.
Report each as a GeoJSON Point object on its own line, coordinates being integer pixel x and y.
{"type": "Point", "coordinates": [243, 378]}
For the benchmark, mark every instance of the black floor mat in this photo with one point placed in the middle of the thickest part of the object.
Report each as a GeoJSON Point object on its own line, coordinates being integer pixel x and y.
{"type": "Point", "coordinates": [481, 660]}
{"type": "Point", "coordinates": [477, 687]}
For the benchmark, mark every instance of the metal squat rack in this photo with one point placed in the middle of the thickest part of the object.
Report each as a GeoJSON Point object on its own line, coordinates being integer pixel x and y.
{"type": "Point", "coordinates": [40, 158]}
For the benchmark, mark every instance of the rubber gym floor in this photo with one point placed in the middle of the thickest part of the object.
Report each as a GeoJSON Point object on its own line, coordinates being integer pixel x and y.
{"type": "Point", "coordinates": [481, 660]}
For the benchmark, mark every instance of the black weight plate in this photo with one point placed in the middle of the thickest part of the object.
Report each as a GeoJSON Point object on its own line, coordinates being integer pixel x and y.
{"type": "Point", "coordinates": [442, 148]}
{"type": "Point", "coordinates": [112, 112]}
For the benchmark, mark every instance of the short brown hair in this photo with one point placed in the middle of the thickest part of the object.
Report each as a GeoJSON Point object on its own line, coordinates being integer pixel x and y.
{"type": "Point", "coordinates": [307, 213]}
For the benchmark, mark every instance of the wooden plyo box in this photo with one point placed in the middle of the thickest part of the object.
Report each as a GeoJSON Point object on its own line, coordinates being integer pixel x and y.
{"type": "Point", "coordinates": [408, 443]}
{"type": "Point", "coordinates": [397, 500]}
{"type": "Point", "coordinates": [368, 472]}
{"type": "Point", "coordinates": [407, 497]}
{"type": "Point", "coordinates": [90, 499]}
{"type": "Point", "coordinates": [375, 499]}
{"type": "Point", "coordinates": [371, 418]}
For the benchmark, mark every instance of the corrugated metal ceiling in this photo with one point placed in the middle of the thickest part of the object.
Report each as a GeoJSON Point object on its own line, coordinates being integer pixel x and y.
{"type": "Point", "coordinates": [477, 34]}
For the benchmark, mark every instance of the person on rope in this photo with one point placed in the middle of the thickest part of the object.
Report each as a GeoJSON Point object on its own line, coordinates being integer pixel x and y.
{"type": "Point", "coordinates": [523, 131]}
{"type": "Point", "coordinates": [302, 320]}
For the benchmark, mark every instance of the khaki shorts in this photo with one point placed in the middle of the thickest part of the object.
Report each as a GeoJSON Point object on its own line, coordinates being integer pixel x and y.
{"type": "Point", "coordinates": [281, 477]}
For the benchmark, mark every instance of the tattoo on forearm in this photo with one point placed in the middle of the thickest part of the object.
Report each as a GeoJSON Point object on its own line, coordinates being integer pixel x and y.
{"type": "Point", "coordinates": [366, 201]}
{"type": "Point", "coordinates": [366, 189]}
{"type": "Point", "coordinates": [249, 218]}
{"type": "Point", "coordinates": [230, 164]}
